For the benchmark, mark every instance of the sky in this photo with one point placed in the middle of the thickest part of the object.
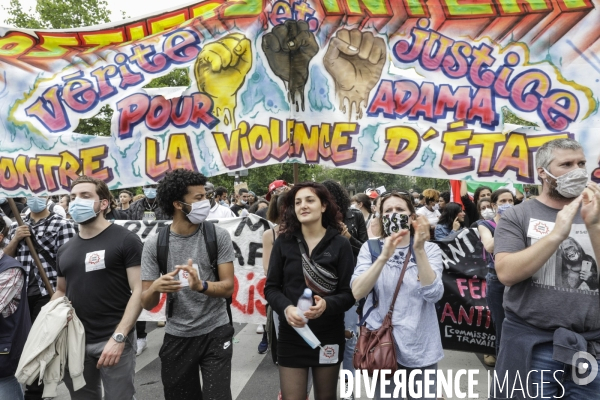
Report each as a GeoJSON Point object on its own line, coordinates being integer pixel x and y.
{"type": "Point", "coordinates": [133, 8]}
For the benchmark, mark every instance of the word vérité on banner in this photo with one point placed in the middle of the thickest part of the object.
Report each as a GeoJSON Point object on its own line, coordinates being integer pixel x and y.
{"type": "Point", "coordinates": [434, 89]}
{"type": "Point", "coordinates": [248, 300]}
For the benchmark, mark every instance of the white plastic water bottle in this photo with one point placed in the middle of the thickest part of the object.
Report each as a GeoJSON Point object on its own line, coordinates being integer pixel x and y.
{"type": "Point", "coordinates": [305, 302]}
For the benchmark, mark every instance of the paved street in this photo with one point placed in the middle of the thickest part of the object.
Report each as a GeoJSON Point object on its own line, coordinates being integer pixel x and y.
{"type": "Point", "coordinates": [254, 376]}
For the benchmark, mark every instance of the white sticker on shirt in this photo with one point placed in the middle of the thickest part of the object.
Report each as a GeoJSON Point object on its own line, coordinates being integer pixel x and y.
{"type": "Point", "coordinates": [538, 228]}
{"type": "Point", "coordinates": [329, 354]}
{"type": "Point", "coordinates": [94, 261]}
{"type": "Point", "coordinates": [183, 275]}
{"type": "Point", "coordinates": [149, 216]}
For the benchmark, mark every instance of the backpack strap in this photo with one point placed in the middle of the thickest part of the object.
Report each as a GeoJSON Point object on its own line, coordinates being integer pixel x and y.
{"type": "Point", "coordinates": [162, 257]}
{"type": "Point", "coordinates": [162, 248]}
{"type": "Point", "coordinates": [210, 239]}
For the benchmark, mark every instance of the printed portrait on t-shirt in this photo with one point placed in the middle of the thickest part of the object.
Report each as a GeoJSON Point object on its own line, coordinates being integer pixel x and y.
{"type": "Point", "coordinates": [573, 266]}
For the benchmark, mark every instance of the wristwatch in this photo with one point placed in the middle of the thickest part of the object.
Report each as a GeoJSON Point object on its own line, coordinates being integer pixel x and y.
{"type": "Point", "coordinates": [204, 287]}
{"type": "Point", "coordinates": [119, 337]}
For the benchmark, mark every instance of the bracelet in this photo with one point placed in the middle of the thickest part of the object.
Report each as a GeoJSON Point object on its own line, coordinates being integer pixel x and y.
{"type": "Point", "coordinates": [204, 287]}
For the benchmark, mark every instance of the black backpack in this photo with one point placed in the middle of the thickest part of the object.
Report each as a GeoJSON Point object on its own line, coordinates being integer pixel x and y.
{"type": "Point", "coordinates": [210, 239]}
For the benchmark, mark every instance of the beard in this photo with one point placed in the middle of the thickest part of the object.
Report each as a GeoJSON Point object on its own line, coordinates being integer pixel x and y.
{"type": "Point", "coordinates": [553, 193]}
{"type": "Point", "coordinates": [89, 221]}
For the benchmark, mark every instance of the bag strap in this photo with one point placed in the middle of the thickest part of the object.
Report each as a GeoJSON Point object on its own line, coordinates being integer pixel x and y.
{"type": "Point", "coordinates": [376, 300]}
{"type": "Point", "coordinates": [408, 255]}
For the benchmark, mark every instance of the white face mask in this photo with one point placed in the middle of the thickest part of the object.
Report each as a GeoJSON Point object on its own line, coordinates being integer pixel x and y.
{"type": "Point", "coordinates": [199, 211]}
{"type": "Point", "coordinates": [572, 183]}
{"type": "Point", "coordinates": [488, 214]}
{"type": "Point", "coordinates": [353, 206]}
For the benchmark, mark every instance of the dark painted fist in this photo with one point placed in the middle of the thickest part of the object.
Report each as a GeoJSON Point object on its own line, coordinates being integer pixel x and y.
{"type": "Point", "coordinates": [289, 49]}
{"type": "Point", "coordinates": [355, 60]}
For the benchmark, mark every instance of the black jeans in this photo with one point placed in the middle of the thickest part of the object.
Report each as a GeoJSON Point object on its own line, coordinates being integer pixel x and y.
{"type": "Point", "coordinates": [140, 327]}
{"type": "Point", "coordinates": [36, 302]}
{"type": "Point", "coordinates": [181, 356]}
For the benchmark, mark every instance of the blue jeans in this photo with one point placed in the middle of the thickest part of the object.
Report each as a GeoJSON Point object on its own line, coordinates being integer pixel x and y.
{"type": "Point", "coordinates": [542, 360]}
{"type": "Point", "coordinates": [10, 388]}
{"type": "Point", "coordinates": [350, 321]}
{"type": "Point", "coordinates": [495, 296]}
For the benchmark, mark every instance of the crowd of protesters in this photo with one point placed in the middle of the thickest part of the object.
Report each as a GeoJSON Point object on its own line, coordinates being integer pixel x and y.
{"type": "Point", "coordinates": [361, 256]}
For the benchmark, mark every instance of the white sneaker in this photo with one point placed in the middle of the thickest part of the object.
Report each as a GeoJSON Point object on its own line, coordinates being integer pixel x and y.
{"type": "Point", "coordinates": [141, 346]}
{"type": "Point", "coordinates": [351, 397]}
{"type": "Point", "coordinates": [260, 329]}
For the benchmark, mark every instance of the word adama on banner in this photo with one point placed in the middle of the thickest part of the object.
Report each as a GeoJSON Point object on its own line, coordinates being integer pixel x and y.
{"type": "Point", "coordinates": [528, 89]}
{"type": "Point", "coordinates": [498, 153]}
{"type": "Point", "coordinates": [257, 144]}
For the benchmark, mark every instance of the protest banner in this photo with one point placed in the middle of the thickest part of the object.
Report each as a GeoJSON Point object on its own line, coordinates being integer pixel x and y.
{"type": "Point", "coordinates": [412, 87]}
{"type": "Point", "coordinates": [464, 318]}
{"type": "Point", "coordinates": [248, 300]}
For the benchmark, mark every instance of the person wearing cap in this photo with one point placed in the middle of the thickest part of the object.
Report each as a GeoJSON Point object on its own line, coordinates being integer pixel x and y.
{"type": "Point", "coordinates": [278, 186]}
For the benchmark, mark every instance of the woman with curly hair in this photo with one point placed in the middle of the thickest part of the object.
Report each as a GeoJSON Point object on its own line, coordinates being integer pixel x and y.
{"type": "Point", "coordinates": [310, 253]}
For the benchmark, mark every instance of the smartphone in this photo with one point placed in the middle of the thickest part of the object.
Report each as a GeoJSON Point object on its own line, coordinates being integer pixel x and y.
{"type": "Point", "coordinates": [586, 266]}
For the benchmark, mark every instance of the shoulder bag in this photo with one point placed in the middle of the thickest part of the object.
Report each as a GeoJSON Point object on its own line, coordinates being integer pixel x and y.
{"type": "Point", "coordinates": [375, 349]}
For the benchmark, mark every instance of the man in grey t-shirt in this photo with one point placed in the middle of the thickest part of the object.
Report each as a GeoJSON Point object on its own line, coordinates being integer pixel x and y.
{"type": "Point", "coordinates": [198, 333]}
{"type": "Point", "coordinates": [545, 253]}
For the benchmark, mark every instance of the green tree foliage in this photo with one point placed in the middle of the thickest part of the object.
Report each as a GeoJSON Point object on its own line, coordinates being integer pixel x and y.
{"type": "Point", "coordinates": [58, 14]}
{"type": "Point", "coordinates": [64, 14]}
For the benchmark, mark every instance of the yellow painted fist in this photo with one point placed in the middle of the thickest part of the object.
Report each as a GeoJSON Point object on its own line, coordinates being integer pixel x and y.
{"type": "Point", "coordinates": [221, 69]}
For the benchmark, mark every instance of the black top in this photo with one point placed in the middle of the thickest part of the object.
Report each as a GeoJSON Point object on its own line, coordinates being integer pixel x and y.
{"type": "Point", "coordinates": [15, 328]}
{"type": "Point", "coordinates": [355, 222]}
{"type": "Point", "coordinates": [142, 209]}
{"type": "Point", "coordinates": [285, 280]}
{"type": "Point", "coordinates": [8, 212]}
{"type": "Point", "coordinates": [97, 285]}
{"type": "Point", "coordinates": [237, 209]}
{"type": "Point", "coordinates": [470, 210]}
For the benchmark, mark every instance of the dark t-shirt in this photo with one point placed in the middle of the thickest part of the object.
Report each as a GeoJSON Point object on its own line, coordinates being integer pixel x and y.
{"type": "Point", "coordinates": [97, 285]}
{"type": "Point", "coordinates": [556, 295]}
{"type": "Point", "coordinates": [237, 209]}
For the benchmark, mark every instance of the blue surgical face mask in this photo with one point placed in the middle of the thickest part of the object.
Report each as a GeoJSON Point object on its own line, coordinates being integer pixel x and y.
{"type": "Point", "coordinates": [82, 210]}
{"type": "Point", "coordinates": [36, 204]}
{"type": "Point", "coordinates": [150, 193]}
{"type": "Point", "coordinates": [2, 199]}
{"type": "Point", "coordinates": [504, 207]}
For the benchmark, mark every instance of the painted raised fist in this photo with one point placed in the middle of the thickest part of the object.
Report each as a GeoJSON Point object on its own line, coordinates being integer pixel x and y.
{"type": "Point", "coordinates": [221, 69]}
{"type": "Point", "coordinates": [289, 49]}
{"type": "Point", "coordinates": [355, 60]}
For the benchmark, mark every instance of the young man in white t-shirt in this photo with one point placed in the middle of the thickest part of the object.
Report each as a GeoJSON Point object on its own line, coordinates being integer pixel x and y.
{"type": "Point", "coordinates": [216, 210]}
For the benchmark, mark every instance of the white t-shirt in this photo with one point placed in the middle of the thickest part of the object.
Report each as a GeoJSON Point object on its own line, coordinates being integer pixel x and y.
{"type": "Point", "coordinates": [218, 211]}
{"type": "Point", "coordinates": [432, 216]}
